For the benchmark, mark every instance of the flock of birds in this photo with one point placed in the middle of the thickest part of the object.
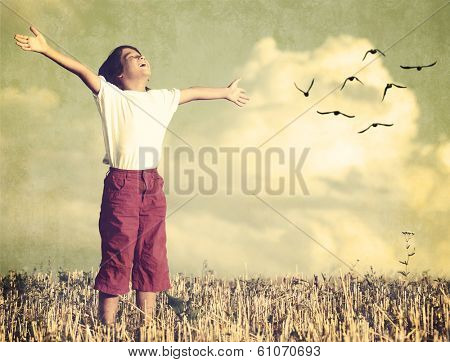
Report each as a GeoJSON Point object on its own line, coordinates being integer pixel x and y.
{"type": "Point", "coordinates": [353, 78]}
{"type": "Point", "coordinates": [186, 308]}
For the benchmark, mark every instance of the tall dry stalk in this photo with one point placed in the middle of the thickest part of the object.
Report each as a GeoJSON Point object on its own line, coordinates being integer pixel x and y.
{"type": "Point", "coordinates": [349, 307]}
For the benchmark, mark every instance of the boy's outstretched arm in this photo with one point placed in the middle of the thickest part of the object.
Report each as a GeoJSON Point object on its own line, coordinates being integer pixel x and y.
{"type": "Point", "coordinates": [231, 93]}
{"type": "Point", "coordinates": [38, 44]}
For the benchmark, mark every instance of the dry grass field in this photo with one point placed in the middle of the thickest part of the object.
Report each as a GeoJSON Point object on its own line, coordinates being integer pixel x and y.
{"type": "Point", "coordinates": [345, 307]}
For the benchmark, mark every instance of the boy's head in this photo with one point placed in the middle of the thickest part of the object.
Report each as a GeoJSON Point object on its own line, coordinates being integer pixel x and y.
{"type": "Point", "coordinates": [127, 62]}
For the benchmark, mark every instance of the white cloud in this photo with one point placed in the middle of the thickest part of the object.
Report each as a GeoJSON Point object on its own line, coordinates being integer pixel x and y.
{"type": "Point", "coordinates": [357, 181]}
{"type": "Point", "coordinates": [33, 98]}
{"type": "Point", "coordinates": [443, 154]}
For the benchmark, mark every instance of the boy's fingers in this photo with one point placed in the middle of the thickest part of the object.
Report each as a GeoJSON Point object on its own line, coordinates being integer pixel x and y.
{"type": "Point", "coordinates": [235, 82]}
{"type": "Point", "coordinates": [34, 30]}
{"type": "Point", "coordinates": [21, 37]}
{"type": "Point", "coordinates": [21, 43]}
{"type": "Point", "coordinates": [24, 47]}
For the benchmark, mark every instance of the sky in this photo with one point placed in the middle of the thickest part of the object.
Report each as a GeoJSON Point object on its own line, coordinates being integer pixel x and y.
{"type": "Point", "coordinates": [363, 189]}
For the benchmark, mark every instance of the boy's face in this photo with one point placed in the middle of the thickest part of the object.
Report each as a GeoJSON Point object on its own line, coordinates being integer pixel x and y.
{"type": "Point", "coordinates": [134, 64]}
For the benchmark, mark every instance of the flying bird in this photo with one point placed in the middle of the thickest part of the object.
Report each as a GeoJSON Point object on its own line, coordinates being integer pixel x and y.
{"type": "Point", "coordinates": [418, 67]}
{"type": "Point", "coordinates": [336, 113]}
{"type": "Point", "coordinates": [389, 85]}
{"type": "Point", "coordinates": [375, 125]}
{"type": "Point", "coordinates": [306, 94]}
{"type": "Point", "coordinates": [351, 79]}
{"type": "Point", "coordinates": [373, 51]}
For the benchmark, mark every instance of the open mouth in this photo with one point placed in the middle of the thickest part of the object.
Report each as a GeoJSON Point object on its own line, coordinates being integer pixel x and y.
{"type": "Point", "coordinates": [143, 65]}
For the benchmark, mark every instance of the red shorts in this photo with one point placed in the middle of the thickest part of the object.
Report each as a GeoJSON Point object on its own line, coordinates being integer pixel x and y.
{"type": "Point", "coordinates": [133, 232]}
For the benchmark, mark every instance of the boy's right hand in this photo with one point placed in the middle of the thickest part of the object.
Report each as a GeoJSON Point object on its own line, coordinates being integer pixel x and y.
{"type": "Point", "coordinates": [36, 44]}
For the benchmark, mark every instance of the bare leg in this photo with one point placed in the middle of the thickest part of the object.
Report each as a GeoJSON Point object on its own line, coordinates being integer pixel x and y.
{"type": "Point", "coordinates": [107, 308]}
{"type": "Point", "coordinates": [146, 301]}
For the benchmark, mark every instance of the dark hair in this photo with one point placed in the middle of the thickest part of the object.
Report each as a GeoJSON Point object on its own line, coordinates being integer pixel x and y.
{"type": "Point", "coordinates": [112, 66]}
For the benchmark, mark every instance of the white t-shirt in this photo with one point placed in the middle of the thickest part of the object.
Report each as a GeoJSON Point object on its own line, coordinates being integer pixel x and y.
{"type": "Point", "coordinates": [134, 124]}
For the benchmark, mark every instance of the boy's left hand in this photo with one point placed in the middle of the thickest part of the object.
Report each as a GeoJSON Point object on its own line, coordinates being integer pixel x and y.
{"type": "Point", "coordinates": [235, 94]}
